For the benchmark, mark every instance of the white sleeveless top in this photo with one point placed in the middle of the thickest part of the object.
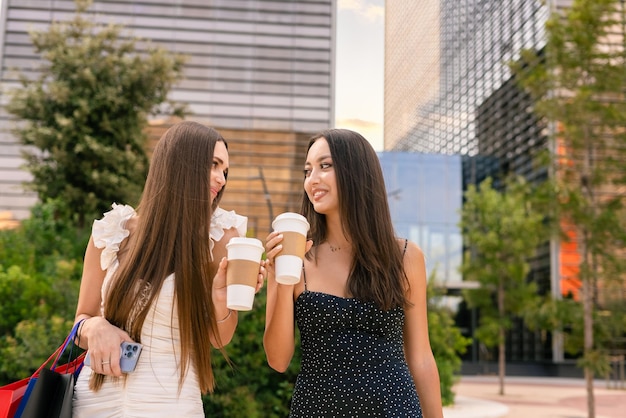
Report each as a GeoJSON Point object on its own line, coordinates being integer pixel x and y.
{"type": "Point", "coordinates": [152, 389]}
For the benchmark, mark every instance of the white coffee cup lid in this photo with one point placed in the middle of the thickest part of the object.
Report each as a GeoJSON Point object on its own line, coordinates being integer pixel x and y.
{"type": "Point", "coordinates": [245, 241]}
{"type": "Point", "coordinates": [292, 216]}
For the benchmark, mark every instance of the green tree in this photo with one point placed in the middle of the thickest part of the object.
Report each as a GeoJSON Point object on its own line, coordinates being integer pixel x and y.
{"type": "Point", "coordinates": [501, 231]}
{"type": "Point", "coordinates": [579, 84]}
{"type": "Point", "coordinates": [40, 269]}
{"type": "Point", "coordinates": [446, 340]}
{"type": "Point", "coordinates": [83, 116]}
{"type": "Point", "coordinates": [34, 341]}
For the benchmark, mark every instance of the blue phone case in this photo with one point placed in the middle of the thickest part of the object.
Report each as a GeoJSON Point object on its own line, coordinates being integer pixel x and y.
{"type": "Point", "coordinates": [130, 356]}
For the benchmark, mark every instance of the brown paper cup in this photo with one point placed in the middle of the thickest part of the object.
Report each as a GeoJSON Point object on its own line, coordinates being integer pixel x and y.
{"type": "Point", "coordinates": [244, 258]}
{"type": "Point", "coordinates": [288, 263]}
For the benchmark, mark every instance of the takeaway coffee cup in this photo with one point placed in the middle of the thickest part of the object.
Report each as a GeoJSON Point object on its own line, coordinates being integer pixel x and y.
{"type": "Point", "coordinates": [288, 263]}
{"type": "Point", "coordinates": [244, 258]}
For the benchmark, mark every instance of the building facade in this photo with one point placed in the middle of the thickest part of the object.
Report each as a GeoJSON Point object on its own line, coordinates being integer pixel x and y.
{"type": "Point", "coordinates": [261, 67]}
{"type": "Point", "coordinates": [449, 90]}
{"type": "Point", "coordinates": [424, 194]}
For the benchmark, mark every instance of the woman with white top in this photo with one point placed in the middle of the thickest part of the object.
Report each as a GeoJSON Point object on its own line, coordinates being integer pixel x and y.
{"type": "Point", "coordinates": [157, 276]}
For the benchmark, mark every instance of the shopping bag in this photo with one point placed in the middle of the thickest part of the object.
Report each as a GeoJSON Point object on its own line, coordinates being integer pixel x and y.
{"type": "Point", "coordinates": [25, 407]}
{"type": "Point", "coordinates": [51, 396]}
{"type": "Point", "coordinates": [49, 391]}
{"type": "Point", "coordinates": [10, 397]}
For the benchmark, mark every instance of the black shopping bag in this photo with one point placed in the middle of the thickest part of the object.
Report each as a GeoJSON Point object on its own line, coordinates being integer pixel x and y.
{"type": "Point", "coordinates": [50, 390]}
{"type": "Point", "coordinates": [51, 396]}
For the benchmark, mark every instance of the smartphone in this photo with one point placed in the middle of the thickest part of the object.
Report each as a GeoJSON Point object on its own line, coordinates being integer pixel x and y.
{"type": "Point", "coordinates": [129, 354]}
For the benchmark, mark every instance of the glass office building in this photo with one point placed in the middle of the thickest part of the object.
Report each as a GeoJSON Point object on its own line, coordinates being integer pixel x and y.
{"type": "Point", "coordinates": [424, 192]}
{"type": "Point", "coordinates": [463, 47]}
{"type": "Point", "coordinates": [449, 90]}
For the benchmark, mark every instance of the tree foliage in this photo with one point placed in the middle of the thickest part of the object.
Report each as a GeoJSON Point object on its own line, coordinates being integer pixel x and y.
{"type": "Point", "coordinates": [82, 114]}
{"type": "Point", "coordinates": [40, 269]}
{"type": "Point", "coordinates": [579, 84]}
{"type": "Point", "coordinates": [501, 231]}
{"type": "Point", "coordinates": [250, 387]}
{"type": "Point", "coordinates": [446, 341]}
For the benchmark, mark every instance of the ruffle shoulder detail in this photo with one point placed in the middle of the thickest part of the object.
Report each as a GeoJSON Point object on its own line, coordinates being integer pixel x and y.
{"type": "Point", "coordinates": [223, 220]}
{"type": "Point", "coordinates": [110, 231]}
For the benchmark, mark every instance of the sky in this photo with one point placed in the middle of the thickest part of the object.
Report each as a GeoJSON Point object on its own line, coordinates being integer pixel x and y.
{"type": "Point", "coordinates": [359, 73]}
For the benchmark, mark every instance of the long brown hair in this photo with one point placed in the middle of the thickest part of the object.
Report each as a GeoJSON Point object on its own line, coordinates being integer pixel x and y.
{"type": "Point", "coordinates": [377, 272]}
{"type": "Point", "coordinates": [172, 236]}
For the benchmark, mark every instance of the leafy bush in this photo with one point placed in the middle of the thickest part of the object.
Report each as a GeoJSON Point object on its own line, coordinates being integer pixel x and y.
{"type": "Point", "coordinates": [34, 341]}
{"type": "Point", "coordinates": [53, 233]}
{"type": "Point", "coordinates": [40, 270]}
{"type": "Point", "coordinates": [250, 387]}
{"type": "Point", "coordinates": [21, 294]}
{"type": "Point", "coordinates": [446, 341]}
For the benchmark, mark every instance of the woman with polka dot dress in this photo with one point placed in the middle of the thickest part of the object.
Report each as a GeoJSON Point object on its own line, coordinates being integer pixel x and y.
{"type": "Point", "coordinates": [360, 305]}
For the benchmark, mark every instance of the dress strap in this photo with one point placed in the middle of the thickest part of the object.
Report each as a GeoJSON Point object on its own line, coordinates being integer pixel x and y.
{"type": "Point", "coordinates": [304, 276]}
{"type": "Point", "coordinates": [406, 242]}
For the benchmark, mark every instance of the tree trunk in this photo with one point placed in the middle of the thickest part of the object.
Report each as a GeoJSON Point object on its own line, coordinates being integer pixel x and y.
{"type": "Point", "coordinates": [588, 284]}
{"type": "Point", "coordinates": [588, 344]}
{"type": "Point", "coordinates": [501, 362]}
{"type": "Point", "coordinates": [501, 339]}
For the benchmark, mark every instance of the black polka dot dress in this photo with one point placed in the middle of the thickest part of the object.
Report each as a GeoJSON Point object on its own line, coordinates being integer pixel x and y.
{"type": "Point", "coordinates": [353, 363]}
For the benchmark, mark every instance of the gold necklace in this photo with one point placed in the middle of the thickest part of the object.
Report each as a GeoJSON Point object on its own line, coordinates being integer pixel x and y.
{"type": "Point", "coordinates": [333, 249]}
